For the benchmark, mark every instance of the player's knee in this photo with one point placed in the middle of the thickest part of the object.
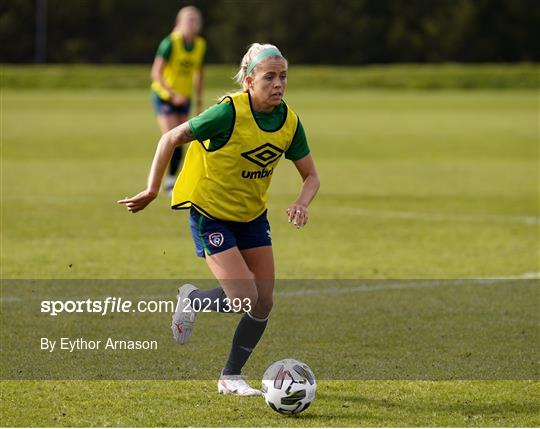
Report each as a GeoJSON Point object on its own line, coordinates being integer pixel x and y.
{"type": "Point", "coordinates": [246, 299]}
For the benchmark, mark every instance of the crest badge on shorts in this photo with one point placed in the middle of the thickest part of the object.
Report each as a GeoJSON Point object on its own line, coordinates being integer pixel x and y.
{"type": "Point", "coordinates": [216, 239]}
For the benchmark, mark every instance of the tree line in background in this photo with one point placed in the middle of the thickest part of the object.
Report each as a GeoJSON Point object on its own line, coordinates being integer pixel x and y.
{"type": "Point", "coordinates": [309, 32]}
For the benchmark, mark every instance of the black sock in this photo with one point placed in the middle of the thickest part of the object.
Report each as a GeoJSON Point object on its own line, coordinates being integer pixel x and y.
{"type": "Point", "coordinates": [248, 333]}
{"type": "Point", "coordinates": [175, 161]}
{"type": "Point", "coordinates": [213, 299]}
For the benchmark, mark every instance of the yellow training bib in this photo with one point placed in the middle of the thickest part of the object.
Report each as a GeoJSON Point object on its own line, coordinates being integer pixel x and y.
{"type": "Point", "coordinates": [181, 66]}
{"type": "Point", "coordinates": [231, 183]}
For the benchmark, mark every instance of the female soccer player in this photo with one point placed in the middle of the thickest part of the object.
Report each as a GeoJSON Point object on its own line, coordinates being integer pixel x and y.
{"type": "Point", "coordinates": [178, 64]}
{"type": "Point", "coordinates": [224, 182]}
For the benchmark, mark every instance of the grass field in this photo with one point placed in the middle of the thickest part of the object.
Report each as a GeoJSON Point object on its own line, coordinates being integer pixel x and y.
{"type": "Point", "coordinates": [396, 76]}
{"type": "Point", "coordinates": [415, 185]}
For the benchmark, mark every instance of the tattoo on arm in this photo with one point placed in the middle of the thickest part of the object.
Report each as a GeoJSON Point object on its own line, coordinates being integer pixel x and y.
{"type": "Point", "coordinates": [182, 134]}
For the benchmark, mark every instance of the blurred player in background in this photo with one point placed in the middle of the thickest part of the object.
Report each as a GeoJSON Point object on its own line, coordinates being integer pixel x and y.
{"type": "Point", "coordinates": [178, 66]}
{"type": "Point", "coordinates": [224, 182]}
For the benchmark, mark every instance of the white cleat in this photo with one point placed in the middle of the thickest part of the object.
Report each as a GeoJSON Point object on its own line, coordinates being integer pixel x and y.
{"type": "Point", "coordinates": [184, 317]}
{"type": "Point", "coordinates": [236, 385]}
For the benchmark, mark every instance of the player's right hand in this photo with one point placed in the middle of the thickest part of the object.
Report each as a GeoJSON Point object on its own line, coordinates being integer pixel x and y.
{"type": "Point", "coordinates": [139, 201]}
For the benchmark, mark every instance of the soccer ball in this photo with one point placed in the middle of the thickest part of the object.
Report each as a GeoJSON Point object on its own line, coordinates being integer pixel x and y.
{"type": "Point", "coordinates": [289, 386]}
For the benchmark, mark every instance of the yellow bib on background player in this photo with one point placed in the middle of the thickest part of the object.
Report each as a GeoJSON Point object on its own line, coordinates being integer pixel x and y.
{"type": "Point", "coordinates": [180, 67]}
{"type": "Point", "coordinates": [231, 182]}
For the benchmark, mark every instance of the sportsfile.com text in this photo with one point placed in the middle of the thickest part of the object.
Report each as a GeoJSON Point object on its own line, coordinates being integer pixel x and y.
{"type": "Point", "coordinates": [106, 306]}
{"type": "Point", "coordinates": [121, 305]}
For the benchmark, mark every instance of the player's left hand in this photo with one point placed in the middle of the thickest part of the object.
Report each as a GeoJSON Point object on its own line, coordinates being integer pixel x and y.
{"type": "Point", "coordinates": [139, 201]}
{"type": "Point", "coordinates": [298, 215]}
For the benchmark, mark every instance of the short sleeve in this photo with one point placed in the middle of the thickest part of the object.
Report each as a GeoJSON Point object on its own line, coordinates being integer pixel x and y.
{"type": "Point", "coordinates": [214, 122]}
{"type": "Point", "coordinates": [299, 146]}
{"type": "Point", "coordinates": [164, 48]}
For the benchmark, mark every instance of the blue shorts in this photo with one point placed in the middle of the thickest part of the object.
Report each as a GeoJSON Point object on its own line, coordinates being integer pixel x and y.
{"type": "Point", "coordinates": [162, 107]}
{"type": "Point", "coordinates": [214, 236]}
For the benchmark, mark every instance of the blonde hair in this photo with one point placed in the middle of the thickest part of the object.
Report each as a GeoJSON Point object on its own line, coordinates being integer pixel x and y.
{"type": "Point", "coordinates": [253, 50]}
{"type": "Point", "coordinates": [185, 10]}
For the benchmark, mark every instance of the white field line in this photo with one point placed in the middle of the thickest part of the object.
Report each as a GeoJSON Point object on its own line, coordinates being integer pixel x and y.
{"type": "Point", "coordinates": [434, 217]}
{"type": "Point", "coordinates": [404, 284]}
{"type": "Point", "coordinates": [362, 287]}
{"type": "Point", "coordinates": [6, 299]}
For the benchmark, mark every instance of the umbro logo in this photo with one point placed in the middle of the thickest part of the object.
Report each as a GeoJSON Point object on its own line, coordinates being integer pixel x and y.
{"type": "Point", "coordinates": [263, 155]}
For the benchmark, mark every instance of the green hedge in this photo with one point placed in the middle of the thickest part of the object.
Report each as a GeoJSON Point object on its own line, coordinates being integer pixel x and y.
{"type": "Point", "coordinates": [406, 76]}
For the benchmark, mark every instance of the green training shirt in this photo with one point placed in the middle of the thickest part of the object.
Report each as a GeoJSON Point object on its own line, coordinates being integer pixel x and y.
{"type": "Point", "coordinates": [165, 48]}
{"type": "Point", "coordinates": [216, 124]}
